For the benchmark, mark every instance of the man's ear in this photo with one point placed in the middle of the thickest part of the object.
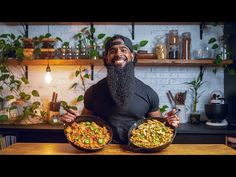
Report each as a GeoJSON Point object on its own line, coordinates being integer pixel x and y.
{"type": "Point", "coordinates": [132, 55]}
{"type": "Point", "coordinates": [105, 60]}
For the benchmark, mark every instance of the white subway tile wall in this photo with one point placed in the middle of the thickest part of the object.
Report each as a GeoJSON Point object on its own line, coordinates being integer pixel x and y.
{"type": "Point", "coordinates": [160, 78]}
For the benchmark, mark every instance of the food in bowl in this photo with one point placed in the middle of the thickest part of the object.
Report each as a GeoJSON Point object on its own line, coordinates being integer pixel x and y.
{"type": "Point", "coordinates": [151, 134]}
{"type": "Point", "coordinates": [87, 135]}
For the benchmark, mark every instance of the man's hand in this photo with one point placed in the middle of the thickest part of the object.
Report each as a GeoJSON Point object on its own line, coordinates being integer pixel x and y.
{"type": "Point", "coordinates": [68, 117]}
{"type": "Point", "coordinates": [172, 119]}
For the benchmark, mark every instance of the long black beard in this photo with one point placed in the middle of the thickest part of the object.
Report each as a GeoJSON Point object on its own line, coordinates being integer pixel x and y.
{"type": "Point", "coordinates": [121, 83]}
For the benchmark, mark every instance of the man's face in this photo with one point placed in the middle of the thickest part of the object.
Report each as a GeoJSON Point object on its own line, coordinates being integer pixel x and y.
{"type": "Point", "coordinates": [119, 55]}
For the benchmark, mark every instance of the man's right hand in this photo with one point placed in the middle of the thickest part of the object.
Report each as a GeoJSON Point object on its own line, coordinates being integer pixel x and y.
{"type": "Point", "coordinates": [68, 117]}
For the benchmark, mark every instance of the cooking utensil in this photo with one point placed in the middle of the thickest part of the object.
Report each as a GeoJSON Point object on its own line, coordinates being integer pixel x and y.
{"type": "Point", "coordinates": [88, 118]}
{"type": "Point", "coordinates": [180, 98]}
{"type": "Point", "coordinates": [68, 110]}
{"type": "Point", "coordinates": [171, 99]}
{"type": "Point", "coordinates": [135, 148]}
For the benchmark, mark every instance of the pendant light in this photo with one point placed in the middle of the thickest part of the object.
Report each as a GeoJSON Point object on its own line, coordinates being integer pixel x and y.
{"type": "Point", "coordinates": [48, 76]}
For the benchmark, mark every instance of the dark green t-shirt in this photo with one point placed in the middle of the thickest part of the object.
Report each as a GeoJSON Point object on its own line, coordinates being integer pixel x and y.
{"type": "Point", "coordinates": [98, 99]}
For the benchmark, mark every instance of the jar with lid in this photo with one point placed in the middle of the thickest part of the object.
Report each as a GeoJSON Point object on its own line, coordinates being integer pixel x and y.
{"type": "Point", "coordinates": [63, 52]}
{"type": "Point", "coordinates": [76, 52]}
{"type": "Point", "coordinates": [69, 53]}
{"type": "Point", "coordinates": [186, 45]}
{"type": "Point", "coordinates": [160, 48]}
{"type": "Point", "coordinates": [173, 38]}
{"type": "Point", "coordinates": [223, 49]}
{"type": "Point", "coordinates": [100, 50]}
{"type": "Point", "coordinates": [173, 44]}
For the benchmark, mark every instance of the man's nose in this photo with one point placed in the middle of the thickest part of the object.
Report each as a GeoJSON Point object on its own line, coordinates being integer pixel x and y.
{"type": "Point", "coordinates": [118, 52]}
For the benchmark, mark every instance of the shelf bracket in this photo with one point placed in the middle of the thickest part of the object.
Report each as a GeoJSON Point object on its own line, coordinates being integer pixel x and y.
{"type": "Point", "coordinates": [132, 32]}
{"type": "Point", "coordinates": [92, 26]}
{"type": "Point", "coordinates": [201, 29]}
{"type": "Point", "coordinates": [26, 72]}
{"type": "Point", "coordinates": [26, 29]}
{"type": "Point", "coordinates": [202, 68]}
{"type": "Point", "coordinates": [92, 71]}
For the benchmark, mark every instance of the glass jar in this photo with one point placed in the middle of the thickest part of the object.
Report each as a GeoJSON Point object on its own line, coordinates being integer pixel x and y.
{"type": "Point", "coordinates": [101, 51]}
{"type": "Point", "coordinates": [161, 51]}
{"type": "Point", "coordinates": [173, 38]}
{"type": "Point", "coordinates": [173, 44]}
{"type": "Point", "coordinates": [63, 52]}
{"type": "Point", "coordinates": [186, 45]}
{"type": "Point", "coordinates": [76, 52]}
{"type": "Point", "coordinates": [69, 54]}
{"type": "Point", "coordinates": [161, 48]}
{"type": "Point", "coordinates": [83, 53]}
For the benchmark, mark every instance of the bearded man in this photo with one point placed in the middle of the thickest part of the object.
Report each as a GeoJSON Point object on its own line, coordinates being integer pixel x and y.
{"type": "Point", "coordinates": [120, 98]}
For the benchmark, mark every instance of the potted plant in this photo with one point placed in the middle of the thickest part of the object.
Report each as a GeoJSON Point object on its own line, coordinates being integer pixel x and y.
{"type": "Point", "coordinates": [194, 87]}
{"type": "Point", "coordinates": [93, 44]}
{"type": "Point", "coordinates": [28, 48]}
{"type": "Point", "coordinates": [10, 47]}
{"type": "Point", "coordinates": [16, 98]}
{"type": "Point", "coordinates": [45, 46]}
{"type": "Point", "coordinates": [221, 51]}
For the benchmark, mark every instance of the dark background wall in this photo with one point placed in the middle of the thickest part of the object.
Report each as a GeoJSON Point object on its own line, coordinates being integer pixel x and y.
{"type": "Point", "coordinates": [230, 81]}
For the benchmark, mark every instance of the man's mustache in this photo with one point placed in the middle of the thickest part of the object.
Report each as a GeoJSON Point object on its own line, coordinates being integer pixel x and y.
{"type": "Point", "coordinates": [119, 58]}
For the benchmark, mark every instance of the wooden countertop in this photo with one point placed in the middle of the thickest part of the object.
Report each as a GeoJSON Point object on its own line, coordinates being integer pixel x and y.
{"type": "Point", "coordinates": [114, 149]}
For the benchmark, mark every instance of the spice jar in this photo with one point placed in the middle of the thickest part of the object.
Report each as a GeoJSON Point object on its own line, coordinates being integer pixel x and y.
{"type": "Point", "coordinates": [186, 45]}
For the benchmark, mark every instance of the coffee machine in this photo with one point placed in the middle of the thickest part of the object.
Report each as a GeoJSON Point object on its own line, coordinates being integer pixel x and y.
{"type": "Point", "coordinates": [217, 110]}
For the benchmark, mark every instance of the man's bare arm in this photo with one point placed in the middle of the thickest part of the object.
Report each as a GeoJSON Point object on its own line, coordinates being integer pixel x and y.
{"type": "Point", "coordinates": [87, 112]}
{"type": "Point", "coordinates": [155, 113]}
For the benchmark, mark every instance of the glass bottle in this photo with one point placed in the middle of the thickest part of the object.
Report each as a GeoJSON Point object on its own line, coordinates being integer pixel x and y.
{"type": "Point", "coordinates": [186, 46]}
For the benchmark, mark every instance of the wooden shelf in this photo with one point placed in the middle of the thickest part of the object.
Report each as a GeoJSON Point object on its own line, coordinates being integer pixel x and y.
{"type": "Point", "coordinates": [180, 62]}
{"type": "Point", "coordinates": [99, 62]}
{"type": "Point", "coordinates": [36, 62]}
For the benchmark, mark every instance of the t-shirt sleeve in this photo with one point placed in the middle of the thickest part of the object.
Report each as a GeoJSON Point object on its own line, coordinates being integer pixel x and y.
{"type": "Point", "coordinates": [154, 100]}
{"type": "Point", "coordinates": [88, 98]}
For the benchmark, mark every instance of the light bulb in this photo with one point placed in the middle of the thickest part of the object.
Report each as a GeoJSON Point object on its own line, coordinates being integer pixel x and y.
{"type": "Point", "coordinates": [48, 76]}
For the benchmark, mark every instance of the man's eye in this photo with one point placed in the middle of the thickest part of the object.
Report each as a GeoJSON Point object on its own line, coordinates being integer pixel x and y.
{"type": "Point", "coordinates": [124, 50]}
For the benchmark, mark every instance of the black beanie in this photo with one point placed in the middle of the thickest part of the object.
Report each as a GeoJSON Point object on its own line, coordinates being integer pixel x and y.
{"type": "Point", "coordinates": [110, 43]}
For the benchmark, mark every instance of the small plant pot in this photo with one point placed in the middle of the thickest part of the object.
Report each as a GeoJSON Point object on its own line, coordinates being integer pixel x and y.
{"type": "Point", "coordinates": [195, 118]}
{"type": "Point", "coordinates": [28, 53]}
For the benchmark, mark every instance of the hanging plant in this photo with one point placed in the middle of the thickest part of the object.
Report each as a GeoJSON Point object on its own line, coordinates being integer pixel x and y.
{"type": "Point", "coordinates": [11, 46]}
